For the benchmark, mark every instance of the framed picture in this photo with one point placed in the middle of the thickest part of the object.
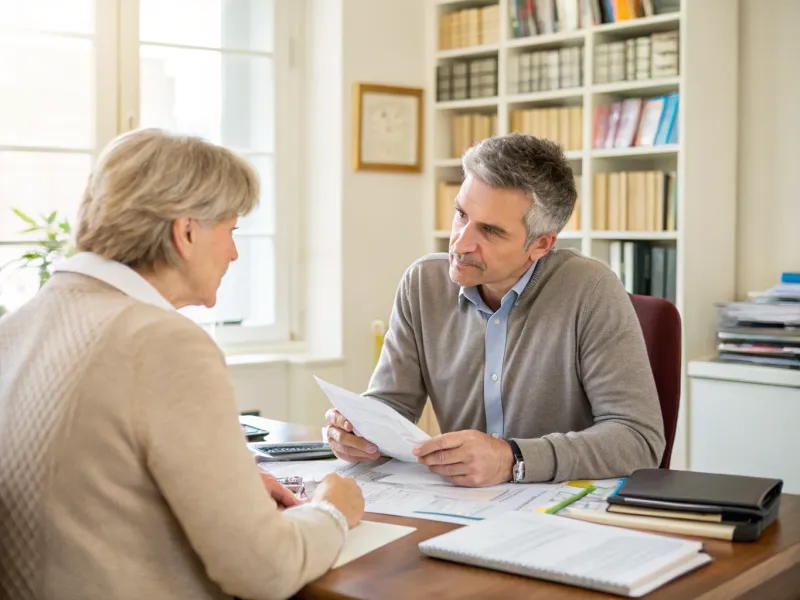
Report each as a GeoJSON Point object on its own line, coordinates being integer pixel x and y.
{"type": "Point", "coordinates": [387, 128]}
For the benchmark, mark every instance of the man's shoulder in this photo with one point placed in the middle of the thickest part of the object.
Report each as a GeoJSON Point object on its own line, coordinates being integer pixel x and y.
{"type": "Point", "coordinates": [429, 277]}
{"type": "Point", "coordinates": [576, 267]}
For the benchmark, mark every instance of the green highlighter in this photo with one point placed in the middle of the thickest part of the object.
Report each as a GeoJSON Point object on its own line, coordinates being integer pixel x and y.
{"type": "Point", "coordinates": [574, 498]}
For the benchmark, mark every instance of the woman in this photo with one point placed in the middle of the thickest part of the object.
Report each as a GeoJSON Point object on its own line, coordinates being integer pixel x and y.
{"type": "Point", "coordinates": [123, 470]}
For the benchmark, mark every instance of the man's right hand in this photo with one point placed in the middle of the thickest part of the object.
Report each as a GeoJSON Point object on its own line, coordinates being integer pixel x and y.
{"type": "Point", "coordinates": [345, 444]}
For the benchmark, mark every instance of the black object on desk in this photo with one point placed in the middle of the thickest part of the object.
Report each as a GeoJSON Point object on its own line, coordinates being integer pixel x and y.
{"type": "Point", "coordinates": [748, 503]}
{"type": "Point", "coordinates": [253, 433]}
{"type": "Point", "coordinates": [265, 452]}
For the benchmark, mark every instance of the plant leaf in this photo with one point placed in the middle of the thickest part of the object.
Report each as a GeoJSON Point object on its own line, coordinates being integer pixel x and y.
{"type": "Point", "coordinates": [33, 255]}
{"type": "Point", "coordinates": [24, 217]}
{"type": "Point", "coordinates": [30, 229]}
{"type": "Point", "coordinates": [65, 227]}
{"type": "Point", "coordinates": [49, 219]}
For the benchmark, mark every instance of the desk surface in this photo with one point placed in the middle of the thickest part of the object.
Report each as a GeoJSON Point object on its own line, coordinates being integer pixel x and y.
{"type": "Point", "coordinates": [768, 568]}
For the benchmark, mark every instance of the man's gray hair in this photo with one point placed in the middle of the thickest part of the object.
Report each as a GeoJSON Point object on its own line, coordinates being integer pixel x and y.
{"type": "Point", "coordinates": [534, 166]}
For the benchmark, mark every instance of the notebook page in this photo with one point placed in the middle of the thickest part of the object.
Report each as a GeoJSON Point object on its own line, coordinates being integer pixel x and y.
{"type": "Point", "coordinates": [578, 550]}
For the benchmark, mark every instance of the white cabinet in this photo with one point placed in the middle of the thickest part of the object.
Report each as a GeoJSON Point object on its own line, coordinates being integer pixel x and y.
{"type": "Point", "coordinates": [745, 420]}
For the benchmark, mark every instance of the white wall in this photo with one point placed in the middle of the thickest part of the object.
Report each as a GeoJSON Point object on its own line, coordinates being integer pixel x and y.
{"type": "Point", "coordinates": [382, 213]}
{"type": "Point", "coordinates": [359, 230]}
{"type": "Point", "coordinates": [769, 143]}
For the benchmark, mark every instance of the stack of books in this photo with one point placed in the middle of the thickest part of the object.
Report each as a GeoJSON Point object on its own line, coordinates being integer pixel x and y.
{"type": "Point", "coordinates": [545, 70]}
{"type": "Point", "coordinates": [465, 79]}
{"type": "Point", "coordinates": [563, 126]}
{"type": "Point", "coordinates": [637, 59]}
{"type": "Point", "coordinates": [635, 201]}
{"type": "Point", "coordinates": [637, 122]}
{"type": "Point", "coordinates": [645, 268]}
{"type": "Point", "coordinates": [469, 27]}
{"type": "Point", "coordinates": [764, 331]}
{"type": "Point", "coordinates": [468, 129]}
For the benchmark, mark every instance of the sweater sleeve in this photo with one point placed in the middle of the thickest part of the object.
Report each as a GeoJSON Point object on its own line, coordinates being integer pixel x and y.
{"type": "Point", "coordinates": [186, 418]}
{"type": "Point", "coordinates": [397, 380]}
{"type": "Point", "coordinates": [628, 430]}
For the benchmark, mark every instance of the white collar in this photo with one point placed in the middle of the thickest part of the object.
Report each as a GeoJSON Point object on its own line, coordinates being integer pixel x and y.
{"type": "Point", "coordinates": [116, 275]}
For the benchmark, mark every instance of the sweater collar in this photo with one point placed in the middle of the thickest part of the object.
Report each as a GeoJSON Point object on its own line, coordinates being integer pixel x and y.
{"type": "Point", "coordinates": [474, 296]}
{"type": "Point", "coordinates": [115, 274]}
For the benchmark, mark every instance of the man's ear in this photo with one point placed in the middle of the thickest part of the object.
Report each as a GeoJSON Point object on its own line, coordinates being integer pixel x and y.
{"type": "Point", "coordinates": [541, 246]}
{"type": "Point", "coordinates": [183, 236]}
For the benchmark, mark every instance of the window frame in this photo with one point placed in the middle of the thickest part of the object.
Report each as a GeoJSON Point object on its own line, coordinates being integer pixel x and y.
{"type": "Point", "coordinates": [116, 45]}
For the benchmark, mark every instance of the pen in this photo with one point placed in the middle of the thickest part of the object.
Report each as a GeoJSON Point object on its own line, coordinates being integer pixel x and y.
{"type": "Point", "coordinates": [622, 480]}
{"type": "Point", "coordinates": [570, 500]}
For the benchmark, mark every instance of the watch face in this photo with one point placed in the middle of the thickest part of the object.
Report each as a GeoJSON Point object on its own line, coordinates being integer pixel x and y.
{"type": "Point", "coordinates": [519, 471]}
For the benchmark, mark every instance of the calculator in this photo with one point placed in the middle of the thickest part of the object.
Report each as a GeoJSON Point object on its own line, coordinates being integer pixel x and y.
{"type": "Point", "coordinates": [265, 452]}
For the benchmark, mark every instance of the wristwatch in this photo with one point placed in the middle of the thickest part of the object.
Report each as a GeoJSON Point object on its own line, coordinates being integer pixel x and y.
{"type": "Point", "coordinates": [519, 464]}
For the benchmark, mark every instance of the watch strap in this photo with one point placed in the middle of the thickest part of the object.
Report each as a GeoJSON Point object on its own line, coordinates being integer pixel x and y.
{"type": "Point", "coordinates": [515, 449]}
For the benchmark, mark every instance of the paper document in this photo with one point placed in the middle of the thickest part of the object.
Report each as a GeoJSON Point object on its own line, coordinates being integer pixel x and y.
{"type": "Point", "coordinates": [407, 473]}
{"type": "Point", "coordinates": [369, 536]}
{"type": "Point", "coordinates": [393, 434]}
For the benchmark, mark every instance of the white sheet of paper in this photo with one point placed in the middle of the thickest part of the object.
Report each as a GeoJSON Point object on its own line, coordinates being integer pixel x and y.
{"type": "Point", "coordinates": [409, 473]}
{"type": "Point", "coordinates": [368, 536]}
{"type": "Point", "coordinates": [393, 434]}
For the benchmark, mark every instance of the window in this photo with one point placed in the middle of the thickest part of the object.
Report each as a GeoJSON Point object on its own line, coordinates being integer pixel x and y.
{"type": "Point", "coordinates": [82, 71]}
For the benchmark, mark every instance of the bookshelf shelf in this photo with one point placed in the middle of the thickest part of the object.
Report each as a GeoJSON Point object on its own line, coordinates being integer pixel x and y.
{"type": "Point", "coordinates": [490, 102]}
{"type": "Point", "coordinates": [653, 87]}
{"type": "Point", "coordinates": [635, 151]}
{"type": "Point", "coordinates": [699, 172]}
{"type": "Point", "coordinates": [548, 40]}
{"type": "Point", "coordinates": [643, 25]}
{"type": "Point", "coordinates": [469, 51]}
{"type": "Point", "coordinates": [534, 97]}
{"type": "Point", "coordinates": [635, 235]}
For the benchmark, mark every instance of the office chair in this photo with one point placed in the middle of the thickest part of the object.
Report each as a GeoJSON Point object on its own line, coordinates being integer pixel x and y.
{"type": "Point", "coordinates": [661, 326]}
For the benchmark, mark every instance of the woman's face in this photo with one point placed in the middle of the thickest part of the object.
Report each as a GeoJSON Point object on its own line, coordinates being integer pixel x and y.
{"type": "Point", "coordinates": [213, 251]}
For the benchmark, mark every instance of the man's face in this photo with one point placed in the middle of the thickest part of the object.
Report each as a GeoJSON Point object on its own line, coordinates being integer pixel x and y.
{"type": "Point", "coordinates": [487, 241]}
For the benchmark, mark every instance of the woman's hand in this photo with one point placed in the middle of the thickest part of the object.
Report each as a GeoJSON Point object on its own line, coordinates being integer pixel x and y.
{"type": "Point", "coordinates": [280, 493]}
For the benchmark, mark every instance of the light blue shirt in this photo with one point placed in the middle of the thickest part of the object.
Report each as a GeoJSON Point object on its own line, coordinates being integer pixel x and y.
{"type": "Point", "coordinates": [495, 348]}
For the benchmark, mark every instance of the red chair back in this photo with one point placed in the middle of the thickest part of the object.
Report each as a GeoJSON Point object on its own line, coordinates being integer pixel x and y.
{"type": "Point", "coordinates": [661, 326]}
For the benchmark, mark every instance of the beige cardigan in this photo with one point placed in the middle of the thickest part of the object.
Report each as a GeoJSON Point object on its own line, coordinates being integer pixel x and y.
{"type": "Point", "coordinates": [123, 470]}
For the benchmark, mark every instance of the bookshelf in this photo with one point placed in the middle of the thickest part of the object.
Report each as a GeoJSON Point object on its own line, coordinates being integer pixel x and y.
{"type": "Point", "coordinates": [702, 159]}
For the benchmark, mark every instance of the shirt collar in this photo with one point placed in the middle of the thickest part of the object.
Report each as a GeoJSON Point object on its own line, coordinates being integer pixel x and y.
{"type": "Point", "coordinates": [474, 296]}
{"type": "Point", "coordinates": [115, 274]}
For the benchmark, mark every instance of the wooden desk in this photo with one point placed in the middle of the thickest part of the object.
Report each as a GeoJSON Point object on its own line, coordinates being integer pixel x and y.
{"type": "Point", "coordinates": [768, 568]}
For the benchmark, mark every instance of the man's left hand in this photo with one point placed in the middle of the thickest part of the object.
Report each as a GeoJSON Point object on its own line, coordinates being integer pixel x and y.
{"type": "Point", "coordinates": [468, 458]}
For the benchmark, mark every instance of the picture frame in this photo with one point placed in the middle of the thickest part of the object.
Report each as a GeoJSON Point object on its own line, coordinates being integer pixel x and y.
{"type": "Point", "coordinates": [387, 128]}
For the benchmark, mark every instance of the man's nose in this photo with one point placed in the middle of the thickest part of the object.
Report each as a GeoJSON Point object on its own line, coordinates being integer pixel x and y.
{"type": "Point", "coordinates": [466, 241]}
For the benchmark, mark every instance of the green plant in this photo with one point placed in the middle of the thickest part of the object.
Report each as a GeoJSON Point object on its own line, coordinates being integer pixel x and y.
{"type": "Point", "coordinates": [56, 244]}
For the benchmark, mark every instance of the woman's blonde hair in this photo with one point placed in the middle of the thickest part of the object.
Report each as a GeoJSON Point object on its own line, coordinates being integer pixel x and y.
{"type": "Point", "coordinates": [145, 179]}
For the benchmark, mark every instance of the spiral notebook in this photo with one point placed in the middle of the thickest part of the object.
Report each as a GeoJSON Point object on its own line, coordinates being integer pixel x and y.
{"type": "Point", "coordinates": [544, 546]}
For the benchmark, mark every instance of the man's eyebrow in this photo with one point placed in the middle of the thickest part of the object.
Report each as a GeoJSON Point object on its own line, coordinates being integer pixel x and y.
{"type": "Point", "coordinates": [496, 228]}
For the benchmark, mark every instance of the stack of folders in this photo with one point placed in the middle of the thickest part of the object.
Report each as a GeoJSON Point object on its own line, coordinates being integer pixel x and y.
{"type": "Point", "coordinates": [728, 507]}
{"type": "Point", "coordinates": [608, 559]}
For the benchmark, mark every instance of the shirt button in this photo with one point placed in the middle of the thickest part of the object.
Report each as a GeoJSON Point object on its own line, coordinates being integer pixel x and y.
{"type": "Point", "coordinates": [497, 321]}
{"type": "Point", "coordinates": [494, 376]}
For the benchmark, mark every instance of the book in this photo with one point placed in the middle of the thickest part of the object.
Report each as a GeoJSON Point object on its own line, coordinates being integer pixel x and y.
{"type": "Point", "coordinates": [608, 559]}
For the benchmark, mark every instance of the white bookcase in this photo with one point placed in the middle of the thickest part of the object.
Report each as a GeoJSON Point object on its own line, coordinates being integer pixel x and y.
{"type": "Point", "coordinates": [704, 158]}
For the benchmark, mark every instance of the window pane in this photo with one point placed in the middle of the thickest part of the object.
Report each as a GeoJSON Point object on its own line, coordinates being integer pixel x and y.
{"type": "Point", "coordinates": [17, 285]}
{"type": "Point", "coordinates": [73, 16]}
{"type": "Point", "coordinates": [231, 24]}
{"type": "Point", "coordinates": [182, 90]}
{"type": "Point", "coordinates": [247, 293]}
{"type": "Point", "coordinates": [39, 183]}
{"type": "Point", "coordinates": [47, 91]}
{"type": "Point", "coordinates": [262, 220]}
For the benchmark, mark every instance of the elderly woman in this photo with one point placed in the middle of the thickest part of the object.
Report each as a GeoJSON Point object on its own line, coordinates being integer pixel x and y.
{"type": "Point", "coordinates": [123, 470]}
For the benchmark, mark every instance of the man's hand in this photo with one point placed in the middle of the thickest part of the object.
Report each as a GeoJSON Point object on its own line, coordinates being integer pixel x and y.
{"type": "Point", "coordinates": [468, 458]}
{"type": "Point", "coordinates": [280, 493]}
{"type": "Point", "coordinates": [345, 444]}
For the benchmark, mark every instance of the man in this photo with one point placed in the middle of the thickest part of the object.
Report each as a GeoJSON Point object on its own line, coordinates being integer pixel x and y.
{"type": "Point", "coordinates": [532, 357]}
